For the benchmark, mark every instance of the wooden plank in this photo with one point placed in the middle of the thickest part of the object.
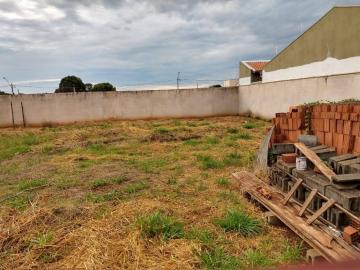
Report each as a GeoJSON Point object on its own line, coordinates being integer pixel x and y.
{"type": "Point", "coordinates": [316, 237]}
{"type": "Point", "coordinates": [320, 211]}
{"type": "Point", "coordinates": [292, 191]}
{"type": "Point", "coordinates": [307, 202]}
{"type": "Point", "coordinates": [315, 160]}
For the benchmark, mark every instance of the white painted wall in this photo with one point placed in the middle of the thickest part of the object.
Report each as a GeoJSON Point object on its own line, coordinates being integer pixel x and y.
{"type": "Point", "coordinates": [46, 109]}
{"type": "Point", "coordinates": [266, 99]}
{"type": "Point", "coordinates": [245, 81]}
{"type": "Point", "coordinates": [330, 66]}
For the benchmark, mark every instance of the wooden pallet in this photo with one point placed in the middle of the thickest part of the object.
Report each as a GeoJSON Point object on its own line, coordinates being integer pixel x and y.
{"type": "Point", "coordinates": [305, 226]}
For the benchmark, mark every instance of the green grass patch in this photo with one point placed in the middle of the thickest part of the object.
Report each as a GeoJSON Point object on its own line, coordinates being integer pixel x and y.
{"type": "Point", "coordinates": [254, 258]}
{"type": "Point", "coordinates": [212, 140]}
{"type": "Point", "coordinates": [28, 184]}
{"type": "Point", "coordinates": [42, 240]}
{"type": "Point", "coordinates": [204, 236]}
{"type": "Point", "coordinates": [217, 258]}
{"type": "Point", "coordinates": [67, 183]}
{"type": "Point", "coordinates": [135, 187]}
{"type": "Point", "coordinates": [119, 179]}
{"type": "Point", "coordinates": [232, 130]}
{"type": "Point", "coordinates": [162, 130]}
{"type": "Point", "coordinates": [208, 162]}
{"type": "Point", "coordinates": [291, 253]}
{"type": "Point", "coordinates": [222, 181]}
{"type": "Point", "coordinates": [232, 159]}
{"type": "Point", "coordinates": [191, 142]}
{"type": "Point", "coordinates": [20, 202]}
{"type": "Point", "coordinates": [149, 165]}
{"type": "Point", "coordinates": [240, 222]}
{"type": "Point", "coordinates": [12, 145]}
{"type": "Point", "coordinates": [230, 196]}
{"type": "Point", "coordinates": [160, 225]}
{"type": "Point", "coordinates": [249, 125]}
{"type": "Point", "coordinates": [99, 183]}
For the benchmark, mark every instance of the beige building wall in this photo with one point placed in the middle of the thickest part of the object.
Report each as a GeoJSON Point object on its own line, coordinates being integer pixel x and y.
{"type": "Point", "coordinates": [335, 35]}
{"type": "Point", "coordinates": [52, 109]}
{"type": "Point", "coordinates": [265, 99]}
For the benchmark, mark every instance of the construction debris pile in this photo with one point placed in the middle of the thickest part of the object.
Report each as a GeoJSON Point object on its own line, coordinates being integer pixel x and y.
{"type": "Point", "coordinates": [314, 180]}
{"type": "Point", "coordinates": [335, 125]}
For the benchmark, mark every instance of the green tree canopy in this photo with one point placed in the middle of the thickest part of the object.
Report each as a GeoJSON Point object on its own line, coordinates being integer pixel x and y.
{"type": "Point", "coordinates": [71, 84]}
{"type": "Point", "coordinates": [103, 87]}
{"type": "Point", "coordinates": [3, 93]}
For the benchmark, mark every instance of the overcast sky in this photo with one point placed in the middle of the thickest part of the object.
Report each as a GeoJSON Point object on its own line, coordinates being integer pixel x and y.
{"type": "Point", "coordinates": [130, 42]}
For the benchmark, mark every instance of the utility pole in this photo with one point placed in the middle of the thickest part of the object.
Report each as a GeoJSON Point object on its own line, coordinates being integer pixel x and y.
{"type": "Point", "coordinates": [178, 80]}
{"type": "Point", "coordinates": [10, 84]}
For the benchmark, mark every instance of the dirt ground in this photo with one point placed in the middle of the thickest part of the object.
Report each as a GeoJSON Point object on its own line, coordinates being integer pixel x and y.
{"type": "Point", "coordinates": [71, 197]}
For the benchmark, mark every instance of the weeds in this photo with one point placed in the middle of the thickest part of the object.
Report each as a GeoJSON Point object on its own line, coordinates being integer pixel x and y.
{"type": "Point", "coordinates": [42, 240]}
{"type": "Point", "coordinates": [254, 258]}
{"type": "Point", "coordinates": [99, 183]}
{"type": "Point", "coordinates": [135, 187]}
{"type": "Point", "coordinates": [216, 258]}
{"type": "Point", "coordinates": [249, 125]}
{"type": "Point", "coordinates": [192, 142]}
{"type": "Point", "coordinates": [204, 236]}
{"type": "Point", "coordinates": [223, 182]}
{"type": "Point", "coordinates": [212, 140]}
{"type": "Point", "coordinates": [208, 162]}
{"type": "Point", "coordinates": [158, 224]}
{"type": "Point", "coordinates": [113, 195]}
{"type": "Point", "coordinates": [232, 130]}
{"type": "Point", "coordinates": [28, 184]}
{"type": "Point", "coordinates": [237, 221]}
{"type": "Point", "coordinates": [291, 253]}
{"type": "Point", "coordinates": [232, 159]}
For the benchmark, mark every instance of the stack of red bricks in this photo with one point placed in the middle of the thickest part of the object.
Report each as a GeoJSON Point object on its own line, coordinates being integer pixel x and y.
{"type": "Point", "coordinates": [335, 125]}
{"type": "Point", "coordinates": [289, 126]}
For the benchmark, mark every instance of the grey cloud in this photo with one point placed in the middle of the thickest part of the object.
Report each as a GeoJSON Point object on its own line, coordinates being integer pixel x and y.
{"type": "Point", "coordinates": [147, 40]}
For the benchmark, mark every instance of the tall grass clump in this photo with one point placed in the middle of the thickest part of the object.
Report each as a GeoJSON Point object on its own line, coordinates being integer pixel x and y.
{"type": "Point", "coordinates": [160, 225]}
{"type": "Point", "coordinates": [237, 221]}
{"type": "Point", "coordinates": [216, 258]}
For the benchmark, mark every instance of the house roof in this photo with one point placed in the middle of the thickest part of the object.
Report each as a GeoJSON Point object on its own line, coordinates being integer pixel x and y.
{"type": "Point", "coordinates": [255, 65]}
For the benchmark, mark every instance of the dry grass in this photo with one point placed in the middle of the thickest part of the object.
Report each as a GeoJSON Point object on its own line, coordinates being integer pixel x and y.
{"type": "Point", "coordinates": [82, 188]}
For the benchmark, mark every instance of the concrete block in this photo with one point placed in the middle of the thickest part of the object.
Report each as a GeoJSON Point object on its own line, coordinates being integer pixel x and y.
{"type": "Point", "coordinates": [349, 199]}
{"type": "Point", "coordinates": [344, 166]}
{"type": "Point", "coordinates": [337, 218]}
{"type": "Point", "coordinates": [273, 219]}
{"type": "Point", "coordinates": [326, 154]}
{"type": "Point", "coordinates": [355, 168]}
{"type": "Point", "coordinates": [317, 181]}
{"type": "Point", "coordinates": [308, 140]}
{"type": "Point", "coordinates": [312, 256]}
{"type": "Point", "coordinates": [346, 178]}
{"type": "Point", "coordinates": [282, 148]}
{"type": "Point", "coordinates": [335, 160]}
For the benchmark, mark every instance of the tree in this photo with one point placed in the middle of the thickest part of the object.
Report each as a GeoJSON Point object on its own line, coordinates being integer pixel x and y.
{"type": "Point", "coordinates": [88, 86]}
{"type": "Point", "coordinates": [103, 87]}
{"type": "Point", "coordinates": [3, 93]}
{"type": "Point", "coordinates": [71, 84]}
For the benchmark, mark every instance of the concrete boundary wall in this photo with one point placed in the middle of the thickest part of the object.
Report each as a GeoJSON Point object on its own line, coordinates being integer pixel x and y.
{"type": "Point", "coordinates": [265, 99]}
{"type": "Point", "coordinates": [66, 108]}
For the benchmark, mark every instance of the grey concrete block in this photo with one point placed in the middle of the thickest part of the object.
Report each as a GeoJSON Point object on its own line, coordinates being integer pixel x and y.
{"type": "Point", "coordinates": [349, 199]}
{"type": "Point", "coordinates": [346, 178]}
{"type": "Point", "coordinates": [308, 140]}
{"type": "Point", "coordinates": [355, 168]}
{"type": "Point", "coordinates": [326, 154]}
{"type": "Point", "coordinates": [317, 181]}
{"type": "Point", "coordinates": [312, 256]}
{"type": "Point", "coordinates": [343, 167]}
{"type": "Point", "coordinates": [337, 159]}
{"type": "Point", "coordinates": [273, 219]}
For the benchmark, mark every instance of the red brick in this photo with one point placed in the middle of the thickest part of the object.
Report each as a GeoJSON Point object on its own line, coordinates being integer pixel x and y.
{"type": "Point", "coordinates": [345, 116]}
{"type": "Point", "coordinates": [329, 139]}
{"type": "Point", "coordinates": [345, 108]}
{"type": "Point", "coordinates": [339, 126]}
{"type": "Point", "coordinates": [356, 149]}
{"type": "Point", "coordinates": [320, 124]}
{"type": "Point", "coordinates": [316, 115]}
{"type": "Point", "coordinates": [333, 108]}
{"type": "Point", "coordinates": [347, 127]}
{"type": "Point", "coordinates": [320, 136]}
{"type": "Point", "coordinates": [335, 140]}
{"type": "Point", "coordinates": [354, 116]}
{"type": "Point", "coordinates": [338, 115]}
{"type": "Point", "coordinates": [289, 158]}
{"type": "Point", "coordinates": [331, 115]}
{"type": "Point", "coordinates": [351, 235]}
{"type": "Point", "coordinates": [290, 124]}
{"type": "Point", "coordinates": [339, 143]}
{"type": "Point", "coordinates": [339, 108]}
{"type": "Point", "coordinates": [348, 144]}
{"type": "Point", "coordinates": [355, 128]}
{"type": "Point", "coordinates": [325, 107]}
{"type": "Point", "coordinates": [356, 108]}
{"type": "Point", "coordinates": [326, 125]}
{"type": "Point", "coordinates": [332, 125]}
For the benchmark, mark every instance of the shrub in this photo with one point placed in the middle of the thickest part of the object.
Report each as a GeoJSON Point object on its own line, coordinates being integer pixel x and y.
{"type": "Point", "coordinates": [159, 224]}
{"type": "Point", "coordinates": [103, 87]}
{"type": "Point", "coordinates": [240, 222]}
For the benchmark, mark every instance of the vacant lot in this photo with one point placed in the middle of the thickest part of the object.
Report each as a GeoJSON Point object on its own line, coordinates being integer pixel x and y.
{"type": "Point", "coordinates": [134, 195]}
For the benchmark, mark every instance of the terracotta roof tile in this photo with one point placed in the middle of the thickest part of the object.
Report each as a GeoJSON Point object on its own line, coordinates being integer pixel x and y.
{"type": "Point", "coordinates": [256, 65]}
